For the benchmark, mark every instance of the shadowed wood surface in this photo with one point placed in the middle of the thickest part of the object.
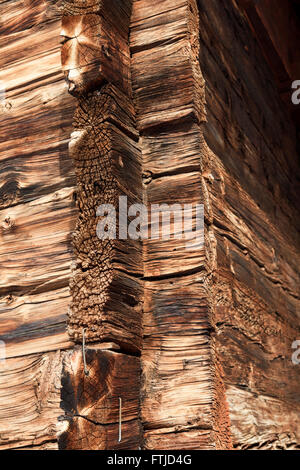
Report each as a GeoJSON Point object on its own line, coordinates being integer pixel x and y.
{"type": "Point", "coordinates": [106, 289]}
{"type": "Point", "coordinates": [30, 401]}
{"type": "Point", "coordinates": [253, 185]}
{"type": "Point", "coordinates": [214, 324]}
{"type": "Point", "coordinates": [102, 408]}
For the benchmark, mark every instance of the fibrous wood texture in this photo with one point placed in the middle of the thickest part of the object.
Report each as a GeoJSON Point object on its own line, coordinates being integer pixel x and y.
{"type": "Point", "coordinates": [105, 287]}
{"type": "Point", "coordinates": [276, 25]}
{"type": "Point", "coordinates": [30, 401]}
{"type": "Point", "coordinates": [37, 180]}
{"type": "Point", "coordinates": [38, 214]}
{"type": "Point", "coordinates": [254, 193]}
{"type": "Point", "coordinates": [183, 403]}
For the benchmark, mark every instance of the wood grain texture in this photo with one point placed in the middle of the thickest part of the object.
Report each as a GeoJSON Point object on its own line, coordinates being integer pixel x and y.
{"type": "Point", "coordinates": [35, 323]}
{"type": "Point", "coordinates": [177, 395]}
{"type": "Point", "coordinates": [106, 287]}
{"type": "Point", "coordinates": [115, 12]}
{"type": "Point", "coordinates": [276, 26]}
{"type": "Point", "coordinates": [91, 402]}
{"type": "Point", "coordinates": [184, 110]}
{"type": "Point", "coordinates": [93, 52]}
{"type": "Point", "coordinates": [37, 209]}
{"type": "Point", "coordinates": [30, 401]}
{"type": "Point", "coordinates": [106, 292]}
{"type": "Point", "coordinates": [262, 422]}
{"type": "Point", "coordinates": [37, 216]}
{"type": "Point", "coordinates": [251, 179]}
{"type": "Point", "coordinates": [164, 43]}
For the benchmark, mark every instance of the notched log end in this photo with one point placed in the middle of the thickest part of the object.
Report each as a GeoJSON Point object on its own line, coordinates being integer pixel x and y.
{"type": "Point", "coordinates": [91, 402]}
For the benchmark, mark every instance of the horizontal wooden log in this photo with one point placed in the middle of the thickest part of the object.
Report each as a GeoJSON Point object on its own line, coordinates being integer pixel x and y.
{"type": "Point", "coordinates": [35, 94]}
{"type": "Point", "coordinates": [30, 401]}
{"type": "Point", "coordinates": [250, 110]}
{"type": "Point", "coordinates": [37, 209]}
{"type": "Point", "coordinates": [174, 439]}
{"type": "Point", "coordinates": [225, 312]}
{"type": "Point", "coordinates": [115, 12]}
{"type": "Point", "coordinates": [93, 53]}
{"type": "Point", "coordinates": [171, 170]}
{"type": "Point", "coordinates": [37, 214]}
{"type": "Point", "coordinates": [18, 15]}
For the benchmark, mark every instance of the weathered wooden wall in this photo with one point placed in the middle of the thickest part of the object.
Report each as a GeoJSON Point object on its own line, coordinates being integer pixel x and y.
{"type": "Point", "coordinates": [253, 184]}
{"type": "Point", "coordinates": [38, 213]}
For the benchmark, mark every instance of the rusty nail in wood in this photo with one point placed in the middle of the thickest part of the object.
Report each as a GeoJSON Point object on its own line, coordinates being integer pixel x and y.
{"type": "Point", "coordinates": [83, 352]}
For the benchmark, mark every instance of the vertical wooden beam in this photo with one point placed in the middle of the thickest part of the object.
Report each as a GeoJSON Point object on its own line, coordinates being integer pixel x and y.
{"type": "Point", "coordinates": [106, 288]}
{"type": "Point", "coordinates": [106, 285]}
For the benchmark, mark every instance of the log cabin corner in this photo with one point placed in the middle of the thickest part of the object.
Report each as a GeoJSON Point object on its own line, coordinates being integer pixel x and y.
{"type": "Point", "coordinates": [140, 343]}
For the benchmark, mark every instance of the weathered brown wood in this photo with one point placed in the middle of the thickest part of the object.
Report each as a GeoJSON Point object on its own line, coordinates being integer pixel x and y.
{"type": "Point", "coordinates": [106, 291]}
{"type": "Point", "coordinates": [35, 323]}
{"type": "Point", "coordinates": [219, 320]}
{"type": "Point", "coordinates": [251, 180]}
{"type": "Point", "coordinates": [93, 53]}
{"type": "Point", "coordinates": [183, 403]}
{"type": "Point", "coordinates": [47, 401]}
{"type": "Point", "coordinates": [106, 285]}
{"type": "Point", "coordinates": [37, 181]}
{"type": "Point", "coordinates": [30, 401]}
{"type": "Point", "coordinates": [163, 41]}
{"type": "Point", "coordinates": [113, 11]}
{"type": "Point", "coordinates": [37, 216]}
{"type": "Point", "coordinates": [262, 422]}
{"type": "Point", "coordinates": [177, 394]}
{"type": "Point", "coordinates": [92, 402]}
